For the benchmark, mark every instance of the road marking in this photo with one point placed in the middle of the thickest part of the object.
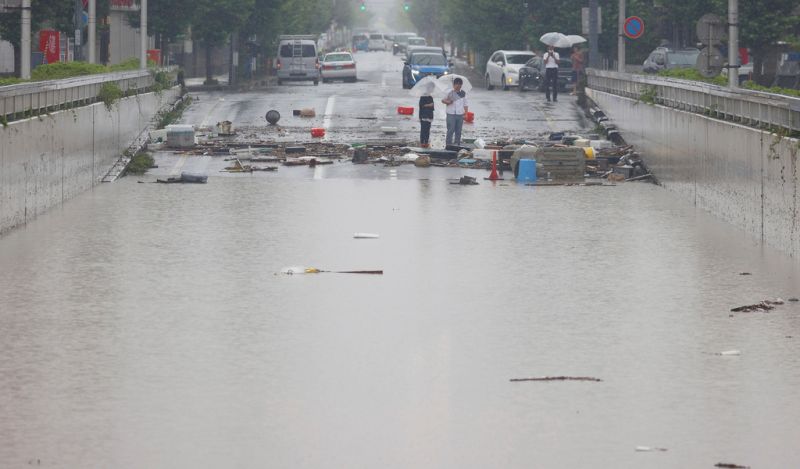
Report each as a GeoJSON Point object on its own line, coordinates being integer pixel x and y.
{"type": "Point", "coordinates": [326, 121]}
{"type": "Point", "coordinates": [211, 111]}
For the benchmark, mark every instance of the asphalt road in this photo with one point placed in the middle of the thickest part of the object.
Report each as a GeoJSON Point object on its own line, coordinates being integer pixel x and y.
{"type": "Point", "coordinates": [353, 112]}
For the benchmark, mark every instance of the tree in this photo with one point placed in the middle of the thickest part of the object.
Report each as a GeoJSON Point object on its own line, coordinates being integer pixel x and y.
{"type": "Point", "coordinates": [166, 19]}
{"type": "Point", "coordinates": [215, 20]}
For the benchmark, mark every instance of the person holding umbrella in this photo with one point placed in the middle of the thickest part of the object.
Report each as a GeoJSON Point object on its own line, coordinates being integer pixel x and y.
{"type": "Point", "coordinates": [457, 106]}
{"type": "Point", "coordinates": [424, 88]}
{"type": "Point", "coordinates": [551, 59]}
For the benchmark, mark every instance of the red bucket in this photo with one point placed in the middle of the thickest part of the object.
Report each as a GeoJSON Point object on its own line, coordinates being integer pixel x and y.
{"type": "Point", "coordinates": [469, 117]}
{"type": "Point", "coordinates": [317, 132]}
{"type": "Point", "coordinates": [406, 111]}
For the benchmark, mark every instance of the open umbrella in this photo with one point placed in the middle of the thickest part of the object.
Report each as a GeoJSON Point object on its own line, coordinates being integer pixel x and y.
{"type": "Point", "coordinates": [575, 39]}
{"type": "Point", "coordinates": [555, 40]}
{"type": "Point", "coordinates": [425, 87]}
{"type": "Point", "coordinates": [445, 83]}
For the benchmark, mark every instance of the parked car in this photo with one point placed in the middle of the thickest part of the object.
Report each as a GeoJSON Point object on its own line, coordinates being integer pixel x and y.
{"type": "Point", "coordinates": [338, 66]}
{"type": "Point", "coordinates": [400, 42]}
{"type": "Point", "coordinates": [297, 58]}
{"type": "Point", "coordinates": [360, 42]}
{"type": "Point", "coordinates": [663, 58]}
{"type": "Point", "coordinates": [377, 42]}
{"type": "Point", "coordinates": [503, 66]}
{"type": "Point", "coordinates": [531, 75]}
{"type": "Point", "coordinates": [422, 64]}
{"type": "Point", "coordinates": [417, 42]}
{"type": "Point", "coordinates": [424, 49]}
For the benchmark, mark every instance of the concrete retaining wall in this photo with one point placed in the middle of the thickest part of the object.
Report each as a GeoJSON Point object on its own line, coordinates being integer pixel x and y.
{"type": "Point", "coordinates": [49, 159]}
{"type": "Point", "coordinates": [743, 175]}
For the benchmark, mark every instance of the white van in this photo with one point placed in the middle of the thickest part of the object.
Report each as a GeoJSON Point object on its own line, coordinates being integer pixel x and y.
{"type": "Point", "coordinates": [297, 58]}
{"type": "Point", "coordinates": [377, 41]}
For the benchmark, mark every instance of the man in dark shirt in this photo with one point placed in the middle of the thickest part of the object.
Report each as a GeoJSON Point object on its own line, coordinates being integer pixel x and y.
{"type": "Point", "coordinates": [425, 120]}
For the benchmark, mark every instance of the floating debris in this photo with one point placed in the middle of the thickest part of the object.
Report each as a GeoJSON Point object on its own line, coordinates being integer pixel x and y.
{"type": "Point", "coordinates": [466, 181]}
{"type": "Point", "coordinates": [765, 305]}
{"type": "Point", "coordinates": [366, 236]}
{"type": "Point", "coordinates": [745, 273]}
{"type": "Point", "coordinates": [314, 270]}
{"type": "Point", "coordinates": [645, 449]}
{"type": "Point", "coordinates": [729, 353]}
{"type": "Point", "coordinates": [185, 178]}
{"type": "Point", "coordinates": [558, 378]}
{"type": "Point", "coordinates": [730, 465]}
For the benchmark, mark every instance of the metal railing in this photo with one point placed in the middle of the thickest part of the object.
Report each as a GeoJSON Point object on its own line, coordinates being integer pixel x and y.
{"type": "Point", "coordinates": [28, 99]}
{"type": "Point", "coordinates": [747, 107]}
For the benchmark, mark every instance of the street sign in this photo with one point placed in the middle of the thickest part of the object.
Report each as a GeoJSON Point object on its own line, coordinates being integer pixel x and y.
{"type": "Point", "coordinates": [709, 62]}
{"type": "Point", "coordinates": [7, 6]}
{"type": "Point", "coordinates": [585, 20]}
{"type": "Point", "coordinates": [633, 27]}
{"type": "Point", "coordinates": [711, 29]}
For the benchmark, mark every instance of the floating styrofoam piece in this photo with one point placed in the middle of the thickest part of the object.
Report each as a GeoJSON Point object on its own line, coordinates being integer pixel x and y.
{"type": "Point", "coordinates": [366, 236]}
{"type": "Point", "coordinates": [389, 129]}
{"type": "Point", "coordinates": [411, 156]}
{"type": "Point", "coordinates": [646, 449]}
{"type": "Point", "coordinates": [730, 353]}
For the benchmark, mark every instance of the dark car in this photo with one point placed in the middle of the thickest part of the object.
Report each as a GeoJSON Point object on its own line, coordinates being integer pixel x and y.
{"type": "Point", "coordinates": [531, 75]}
{"type": "Point", "coordinates": [663, 58]}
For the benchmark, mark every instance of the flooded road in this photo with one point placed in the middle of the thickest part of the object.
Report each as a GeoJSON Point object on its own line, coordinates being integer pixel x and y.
{"type": "Point", "coordinates": [146, 325]}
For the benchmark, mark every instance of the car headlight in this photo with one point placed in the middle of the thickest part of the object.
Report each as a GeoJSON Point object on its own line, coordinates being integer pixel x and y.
{"type": "Point", "coordinates": [446, 72]}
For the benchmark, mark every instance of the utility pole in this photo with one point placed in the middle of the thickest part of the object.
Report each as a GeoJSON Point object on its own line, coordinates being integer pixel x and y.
{"type": "Point", "coordinates": [78, 28]}
{"type": "Point", "coordinates": [733, 43]}
{"type": "Point", "coordinates": [92, 30]}
{"type": "Point", "coordinates": [143, 32]}
{"type": "Point", "coordinates": [25, 41]}
{"type": "Point", "coordinates": [594, 61]}
{"type": "Point", "coordinates": [621, 60]}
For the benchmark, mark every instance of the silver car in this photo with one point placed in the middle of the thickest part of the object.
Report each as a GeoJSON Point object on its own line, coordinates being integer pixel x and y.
{"type": "Point", "coordinates": [338, 66]}
{"type": "Point", "coordinates": [297, 59]}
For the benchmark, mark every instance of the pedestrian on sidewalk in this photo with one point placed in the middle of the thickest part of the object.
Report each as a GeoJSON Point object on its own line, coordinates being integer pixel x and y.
{"type": "Point", "coordinates": [425, 120]}
{"type": "Point", "coordinates": [577, 67]}
{"type": "Point", "coordinates": [551, 59]}
{"type": "Point", "coordinates": [457, 106]}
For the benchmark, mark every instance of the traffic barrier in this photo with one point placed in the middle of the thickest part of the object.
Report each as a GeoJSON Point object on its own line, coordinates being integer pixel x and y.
{"type": "Point", "coordinates": [493, 176]}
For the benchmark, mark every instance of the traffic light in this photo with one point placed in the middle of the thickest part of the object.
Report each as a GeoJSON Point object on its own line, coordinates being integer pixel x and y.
{"type": "Point", "coordinates": [363, 6]}
{"type": "Point", "coordinates": [406, 6]}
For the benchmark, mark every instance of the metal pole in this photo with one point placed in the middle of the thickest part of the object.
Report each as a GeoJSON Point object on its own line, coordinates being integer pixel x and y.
{"type": "Point", "coordinates": [92, 39]}
{"type": "Point", "coordinates": [733, 43]}
{"type": "Point", "coordinates": [593, 53]}
{"type": "Point", "coordinates": [25, 40]}
{"type": "Point", "coordinates": [621, 60]}
{"type": "Point", "coordinates": [78, 28]}
{"type": "Point", "coordinates": [143, 32]}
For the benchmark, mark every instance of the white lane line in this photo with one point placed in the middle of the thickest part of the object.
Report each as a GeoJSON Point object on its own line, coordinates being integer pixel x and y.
{"type": "Point", "coordinates": [326, 121]}
{"type": "Point", "coordinates": [211, 111]}
{"type": "Point", "coordinates": [176, 170]}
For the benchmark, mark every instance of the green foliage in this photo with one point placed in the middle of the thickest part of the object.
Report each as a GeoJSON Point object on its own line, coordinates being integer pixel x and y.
{"type": "Point", "coordinates": [140, 163]}
{"type": "Point", "coordinates": [109, 94]}
{"type": "Point", "coordinates": [649, 95]}
{"type": "Point", "coordinates": [693, 74]}
{"type": "Point", "coordinates": [11, 81]}
{"type": "Point", "coordinates": [170, 117]}
{"type": "Point", "coordinates": [130, 64]}
{"type": "Point", "coordinates": [771, 89]}
{"type": "Point", "coordinates": [59, 70]}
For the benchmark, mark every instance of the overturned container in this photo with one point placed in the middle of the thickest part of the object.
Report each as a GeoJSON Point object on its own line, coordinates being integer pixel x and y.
{"type": "Point", "coordinates": [180, 136]}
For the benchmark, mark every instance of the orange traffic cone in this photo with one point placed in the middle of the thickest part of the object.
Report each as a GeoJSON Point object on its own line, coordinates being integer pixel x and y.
{"type": "Point", "coordinates": [493, 176]}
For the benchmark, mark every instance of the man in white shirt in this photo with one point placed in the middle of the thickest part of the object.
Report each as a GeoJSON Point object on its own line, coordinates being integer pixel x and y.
{"type": "Point", "coordinates": [457, 106]}
{"type": "Point", "coordinates": [551, 73]}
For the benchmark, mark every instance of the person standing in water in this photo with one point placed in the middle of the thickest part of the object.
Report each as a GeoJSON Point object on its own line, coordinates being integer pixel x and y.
{"type": "Point", "coordinates": [551, 59]}
{"type": "Point", "coordinates": [425, 120]}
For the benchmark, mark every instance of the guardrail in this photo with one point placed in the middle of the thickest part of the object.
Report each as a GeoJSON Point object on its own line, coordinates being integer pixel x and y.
{"type": "Point", "coordinates": [28, 99]}
{"type": "Point", "coordinates": [747, 107]}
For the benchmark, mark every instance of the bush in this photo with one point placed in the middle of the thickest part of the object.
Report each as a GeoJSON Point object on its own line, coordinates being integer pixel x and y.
{"type": "Point", "coordinates": [693, 74]}
{"type": "Point", "coordinates": [771, 89]}
{"type": "Point", "coordinates": [110, 93]}
{"type": "Point", "coordinates": [130, 64]}
{"type": "Point", "coordinates": [59, 70]}
{"type": "Point", "coordinates": [140, 163]}
{"type": "Point", "coordinates": [11, 81]}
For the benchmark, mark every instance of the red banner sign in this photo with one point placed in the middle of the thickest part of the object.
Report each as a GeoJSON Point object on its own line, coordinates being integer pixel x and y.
{"type": "Point", "coordinates": [50, 44]}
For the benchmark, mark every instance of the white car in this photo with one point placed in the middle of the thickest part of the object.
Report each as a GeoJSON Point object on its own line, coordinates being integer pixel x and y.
{"type": "Point", "coordinates": [503, 66]}
{"type": "Point", "coordinates": [377, 41]}
{"type": "Point", "coordinates": [338, 66]}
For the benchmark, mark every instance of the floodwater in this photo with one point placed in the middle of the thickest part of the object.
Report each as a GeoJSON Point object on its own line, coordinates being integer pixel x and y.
{"type": "Point", "coordinates": [145, 325]}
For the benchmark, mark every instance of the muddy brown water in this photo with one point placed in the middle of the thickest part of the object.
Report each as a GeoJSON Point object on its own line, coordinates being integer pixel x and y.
{"type": "Point", "coordinates": [145, 325]}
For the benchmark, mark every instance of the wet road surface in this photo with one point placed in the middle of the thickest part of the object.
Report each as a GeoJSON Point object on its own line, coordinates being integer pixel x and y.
{"type": "Point", "coordinates": [146, 325]}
